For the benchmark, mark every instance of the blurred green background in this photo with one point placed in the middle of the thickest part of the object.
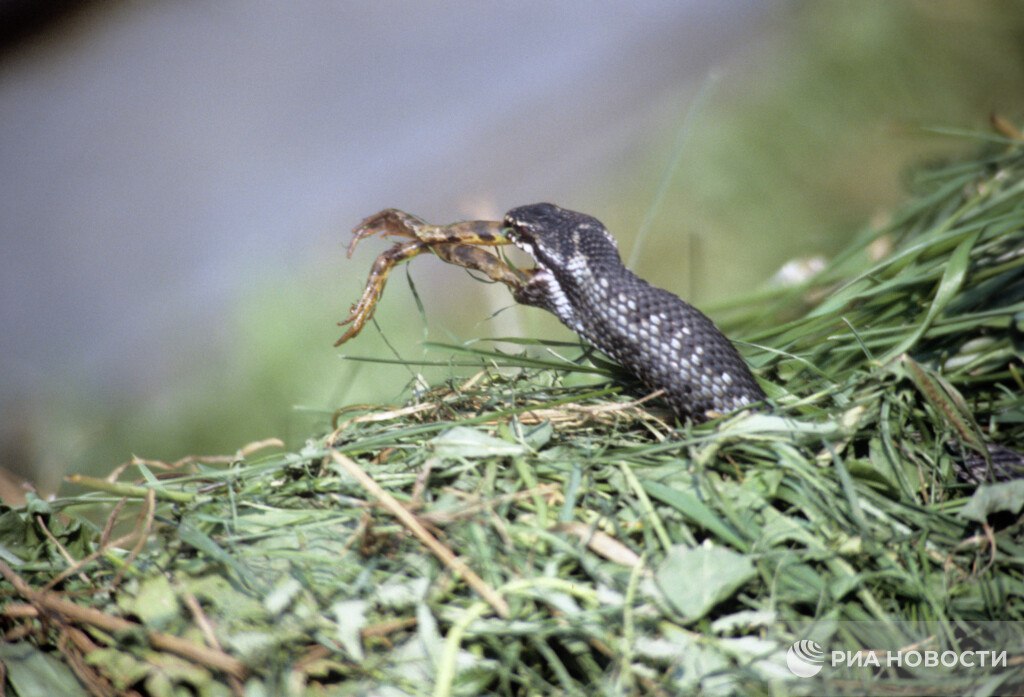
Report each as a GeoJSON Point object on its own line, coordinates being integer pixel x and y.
{"type": "Point", "coordinates": [793, 133]}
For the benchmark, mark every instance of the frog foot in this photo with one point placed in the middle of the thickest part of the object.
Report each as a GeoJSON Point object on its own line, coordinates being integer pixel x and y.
{"type": "Point", "coordinates": [460, 244]}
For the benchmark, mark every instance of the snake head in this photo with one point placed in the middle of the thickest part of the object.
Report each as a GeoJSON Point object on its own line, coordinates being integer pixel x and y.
{"type": "Point", "coordinates": [569, 249]}
{"type": "Point", "coordinates": [559, 239]}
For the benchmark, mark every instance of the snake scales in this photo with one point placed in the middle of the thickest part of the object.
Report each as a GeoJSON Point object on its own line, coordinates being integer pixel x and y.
{"type": "Point", "coordinates": [666, 343]}
{"type": "Point", "coordinates": [580, 278]}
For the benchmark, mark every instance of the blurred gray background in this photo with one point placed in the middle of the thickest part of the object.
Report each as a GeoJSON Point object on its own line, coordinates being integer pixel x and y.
{"type": "Point", "coordinates": [179, 180]}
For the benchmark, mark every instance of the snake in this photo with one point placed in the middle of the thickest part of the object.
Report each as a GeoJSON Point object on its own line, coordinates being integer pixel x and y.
{"type": "Point", "coordinates": [669, 345]}
{"type": "Point", "coordinates": [655, 335]}
{"type": "Point", "coordinates": [666, 343]}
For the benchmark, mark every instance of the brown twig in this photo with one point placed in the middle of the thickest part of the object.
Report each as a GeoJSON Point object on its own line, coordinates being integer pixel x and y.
{"type": "Point", "coordinates": [51, 603]}
{"type": "Point", "coordinates": [416, 528]}
{"type": "Point", "coordinates": [105, 543]}
{"type": "Point", "coordinates": [72, 563]}
{"type": "Point", "coordinates": [206, 628]}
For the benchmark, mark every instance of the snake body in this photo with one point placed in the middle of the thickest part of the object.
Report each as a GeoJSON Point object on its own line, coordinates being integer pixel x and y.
{"type": "Point", "coordinates": [665, 342]}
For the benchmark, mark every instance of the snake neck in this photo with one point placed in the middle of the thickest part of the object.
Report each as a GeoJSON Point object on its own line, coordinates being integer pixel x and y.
{"type": "Point", "coordinates": [662, 340]}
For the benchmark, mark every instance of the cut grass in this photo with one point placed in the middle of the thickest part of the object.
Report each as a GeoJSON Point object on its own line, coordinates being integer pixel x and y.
{"type": "Point", "coordinates": [538, 528]}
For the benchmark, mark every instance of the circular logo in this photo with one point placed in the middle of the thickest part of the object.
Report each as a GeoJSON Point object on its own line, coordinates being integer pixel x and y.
{"type": "Point", "coordinates": [805, 658]}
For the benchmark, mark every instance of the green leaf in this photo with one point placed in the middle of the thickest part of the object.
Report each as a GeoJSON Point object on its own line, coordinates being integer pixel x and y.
{"type": "Point", "coordinates": [281, 596]}
{"type": "Point", "coordinates": [31, 672]}
{"type": "Point", "coordinates": [156, 603]}
{"type": "Point", "coordinates": [952, 279]}
{"type": "Point", "coordinates": [351, 615]}
{"type": "Point", "coordinates": [35, 505]}
{"type": "Point", "coordinates": [229, 602]}
{"type": "Point", "coordinates": [18, 543]}
{"type": "Point", "coordinates": [195, 537]}
{"type": "Point", "coordinates": [121, 667]}
{"type": "Point", "coordinates": [254, 647]}
{"type": "Point", "coordinates": [994, 498]}
{"type": "Point", "coordinates": [539, 436]}
{"type": "Point", "coordinates": [696, 510]}
{"type": "Point", "coordinates": [463, 441]}
{"type": "Point", "coordinates": [695, 580]}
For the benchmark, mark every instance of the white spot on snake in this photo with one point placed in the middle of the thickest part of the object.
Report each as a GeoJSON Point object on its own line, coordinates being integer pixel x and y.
{"type": "Point", "coordinates": [560, 304]}
{"type": "Point", "coordinates": [525, 246]}
{"type": "Point", "coordinates": [578, 270]}
{"type": "Point", "coordinates": [686, 330]}
{"type": "Point", "coordinates": [603, 282]}
{"type": "Point", "coordinates": [726, 378]}
{"type": "Point", "coordinates": [676, 344]}
{"type": "Point", "coordinates": [655, 320]}
{"type": "Point", "coordinates": [699, 350]}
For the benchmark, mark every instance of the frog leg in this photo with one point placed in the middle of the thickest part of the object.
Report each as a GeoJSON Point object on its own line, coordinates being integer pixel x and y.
{"type": "Point", "coordinates": [452, 243]}
{"type": "Point", "coordinates": [477, 259]}
{"type": "Point", "coordinates": [393, 222]}
{"type": "Point", "coordinates": [362, 311]}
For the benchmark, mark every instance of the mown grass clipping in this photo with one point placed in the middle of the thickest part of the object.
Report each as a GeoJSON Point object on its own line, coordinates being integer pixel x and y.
{"type": "Point", "coordinates": [537, 526]}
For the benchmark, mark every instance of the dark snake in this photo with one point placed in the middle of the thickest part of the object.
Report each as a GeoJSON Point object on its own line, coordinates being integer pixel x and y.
{"type": "Point", "coordinates": [665, 342]}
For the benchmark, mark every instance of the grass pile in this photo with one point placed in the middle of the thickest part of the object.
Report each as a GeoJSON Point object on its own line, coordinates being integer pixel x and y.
{"type": "Point", "coordinates": [534, 526]}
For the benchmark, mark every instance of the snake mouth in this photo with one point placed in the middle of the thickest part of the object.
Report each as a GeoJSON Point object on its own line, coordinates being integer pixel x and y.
{"type": "Point", "coordinates": [519, 243]}
{"type": "Point", "coordinates": [539, 267]}
{"type": "Point", "coordinates": [516, 237]}
{"type": "Point", "coordinates": [520, 240]}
